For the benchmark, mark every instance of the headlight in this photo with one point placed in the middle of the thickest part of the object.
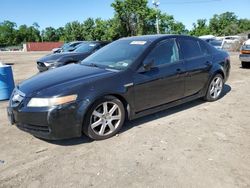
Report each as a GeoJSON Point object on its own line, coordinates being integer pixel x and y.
{"type": "Point", "coordinates": [46, 102]}
{"type": "Point", "coordinates": [48, 64]}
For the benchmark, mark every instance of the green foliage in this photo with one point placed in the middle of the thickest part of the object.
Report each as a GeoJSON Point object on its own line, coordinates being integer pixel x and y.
{"type": "Point", "coordinates": [50, 34]}
{"type": "Point", "coordinates": [218, 23]}
{"type": "Point", "coordinates": [7, 33]}
{"type": "Point", "coordinates": [136, 18]}
{"type": "Point", "coordinates": [200, 28]}
{"type": "Point", "coordinates": [131, 18]}
{"type": "Point", "coordinates": [221, 25]}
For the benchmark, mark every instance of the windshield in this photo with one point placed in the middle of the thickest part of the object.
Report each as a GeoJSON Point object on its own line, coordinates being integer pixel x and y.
{"type": "Point", "coordinates": [65, 46]}
{"type": "Point", "coordinates": [117, 55]}
{"type": "Point", "coordinates": [70, 46]}
{"type": "Point", "coordinates": [85, 48]}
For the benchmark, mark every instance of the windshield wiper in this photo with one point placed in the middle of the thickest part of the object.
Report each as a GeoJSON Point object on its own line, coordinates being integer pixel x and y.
{"type": "Point", "coordinates": [90, 64]}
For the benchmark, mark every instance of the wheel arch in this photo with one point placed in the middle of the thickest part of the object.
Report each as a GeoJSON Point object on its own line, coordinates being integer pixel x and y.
{"type": "Point", "coordinates": [120, 97]}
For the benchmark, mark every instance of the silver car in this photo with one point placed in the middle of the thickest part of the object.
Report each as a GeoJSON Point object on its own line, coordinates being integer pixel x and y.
{"type": "Point", "coordinates": [245, 54]}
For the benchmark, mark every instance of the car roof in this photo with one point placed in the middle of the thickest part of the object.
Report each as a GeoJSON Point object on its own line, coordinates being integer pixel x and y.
{"type": "Point", "coordinates": [158, 37]}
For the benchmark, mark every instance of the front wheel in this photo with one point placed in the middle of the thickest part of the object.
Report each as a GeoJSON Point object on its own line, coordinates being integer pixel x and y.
{"type": "Point", "coordinates": [104, 119]}
{"type": "Point", "coordinates": [215, 88]}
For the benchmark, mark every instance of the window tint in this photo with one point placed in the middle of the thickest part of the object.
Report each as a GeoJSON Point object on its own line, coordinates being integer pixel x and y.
{"type": "Point", "coordinates": [117, 55]}
{"type": "Point", "coordinates": [204, 48]}
{"type": "Point", "coordinates": [164, 53]}
{"type": "Point", "coordinates": [85, 48]}
{"type": "Point", "coordinates": [190, 48]}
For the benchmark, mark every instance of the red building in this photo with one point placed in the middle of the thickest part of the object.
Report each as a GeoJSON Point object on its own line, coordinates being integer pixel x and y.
{"type": "Point", "coordinates": [41, 46]}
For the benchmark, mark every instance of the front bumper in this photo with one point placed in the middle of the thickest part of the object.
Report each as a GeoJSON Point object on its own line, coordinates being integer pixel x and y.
{"type": "Point", "coordinates": [244, 57]}
{"type": "Point", "coordinates": [49, 123]}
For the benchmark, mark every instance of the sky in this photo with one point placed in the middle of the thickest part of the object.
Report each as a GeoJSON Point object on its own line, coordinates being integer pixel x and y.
{"type": "Point", "coordinates": [57, 13]}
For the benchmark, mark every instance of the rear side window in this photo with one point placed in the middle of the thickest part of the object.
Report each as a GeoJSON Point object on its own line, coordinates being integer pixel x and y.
{"type": "Point", "coordinates": [166, 52]}
{"type": "Point", "coordinates": [190, 48]}
{"type": "Point", "coordinates": [204, 48]}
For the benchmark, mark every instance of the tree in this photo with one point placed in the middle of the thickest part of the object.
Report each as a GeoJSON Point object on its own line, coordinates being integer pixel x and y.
{"type": "Point", "coordinates": [218, 23]}
{"type": "Point", "coordinates": [136, 18]}
{"type": "Point", "coordinates": [131, 15]}
{"type": "Point", "coordinates": [61, 33]}
{"type": "Point", "coordinates": [34, 33]}
{"type": "Point", "coordinates": [244, 25]}
{"type": "Point", "coordinates": [88, 29]}
{"type": "Point", "coordinates": [200, 28]}
{"type": "Point", "coordinates": [169, 25]}
{"type": "Point", "coordinates": [73, 31]}
{"type": "Point", "coordinates": [50, 34]}
{"type": "Point", "coordinates": [7, 33]}
{"type": "Point", "coordinates": [22, 34]}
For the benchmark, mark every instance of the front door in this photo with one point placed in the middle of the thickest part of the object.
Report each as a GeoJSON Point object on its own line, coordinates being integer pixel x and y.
{"type": "Point", "coordinates": [164, 82]}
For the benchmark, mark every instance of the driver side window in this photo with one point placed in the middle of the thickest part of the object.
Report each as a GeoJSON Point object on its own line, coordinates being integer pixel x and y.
{"type": "Point", "coordinates": [166, 52]}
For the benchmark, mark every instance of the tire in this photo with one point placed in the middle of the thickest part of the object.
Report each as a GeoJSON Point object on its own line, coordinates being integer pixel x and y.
{"type": "Point", "coordinates": [215, 88]}
{"type": "Point", "coordinates": [244, 64]}
{"type": "Point", "coordinates": [104, 118]}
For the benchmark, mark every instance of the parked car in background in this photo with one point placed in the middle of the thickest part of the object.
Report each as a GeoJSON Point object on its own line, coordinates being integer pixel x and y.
{"type": "Point", "coordinates": [129, 78]}
{"type": "Point", "coordinates": [218, 44]}
{"type": "Point", "coordinates": [245, 54]}
{"type": "Point", "coordinates": [67, 47]}
{"type": "Point", "coordinates": [60, 59]}
{"type": "Point", "coordinates": [207, 38]}
{"type": "Point", "coordinates": [232, 39]}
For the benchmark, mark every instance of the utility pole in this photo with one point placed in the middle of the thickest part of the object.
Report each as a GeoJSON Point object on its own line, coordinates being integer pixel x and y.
{"type": "Point", "coordinates": [156, 3]}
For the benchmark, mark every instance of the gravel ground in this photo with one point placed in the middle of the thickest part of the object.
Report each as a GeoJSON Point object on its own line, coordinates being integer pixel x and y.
{"type": "Point", "coordinates": [198, 144]}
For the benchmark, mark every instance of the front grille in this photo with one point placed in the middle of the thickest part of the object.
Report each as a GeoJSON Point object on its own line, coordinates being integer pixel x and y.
{"type": "Point", "coordinates": [37, 128]}
{"type": "Point", "coordinates": [41, 64]}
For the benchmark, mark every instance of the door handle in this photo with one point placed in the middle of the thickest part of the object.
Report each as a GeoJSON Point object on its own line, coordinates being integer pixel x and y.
{"type": "Point", "coordinates": [178, 71]}
{"type": "Point", "coordinates": [208, 63]}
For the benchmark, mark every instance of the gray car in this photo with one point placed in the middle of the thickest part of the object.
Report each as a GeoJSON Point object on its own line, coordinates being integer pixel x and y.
{"type": "Point", "coordinates": [82, 51]}
{"type": "Point", "coordinates": [245, 54]}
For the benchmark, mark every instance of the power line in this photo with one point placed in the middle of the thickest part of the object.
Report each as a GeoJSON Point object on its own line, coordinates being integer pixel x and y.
{"type": "Point", "coordinates": [190, 2]}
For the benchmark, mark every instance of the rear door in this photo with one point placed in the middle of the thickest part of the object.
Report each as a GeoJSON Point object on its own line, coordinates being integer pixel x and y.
{"type": "Point", "coordinates": [197, 61]}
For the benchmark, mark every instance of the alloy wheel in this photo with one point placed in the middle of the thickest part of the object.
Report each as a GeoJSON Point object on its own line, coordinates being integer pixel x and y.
{"type": "Point", "coordinates": [216, 86]}
{"type": "Point", "coordinates": [105, 118]}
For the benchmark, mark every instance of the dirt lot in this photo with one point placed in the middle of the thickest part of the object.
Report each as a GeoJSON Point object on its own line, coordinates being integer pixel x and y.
{"type": "Point", "coordinates": [198, 144]}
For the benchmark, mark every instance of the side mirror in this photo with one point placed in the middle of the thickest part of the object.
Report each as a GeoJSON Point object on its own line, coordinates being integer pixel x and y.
{"type": "Point", "coordinates": [147, 66]}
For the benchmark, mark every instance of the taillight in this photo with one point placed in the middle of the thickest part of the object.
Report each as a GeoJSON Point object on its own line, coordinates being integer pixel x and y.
{"type": "Point", "coordinates": [245, 51]}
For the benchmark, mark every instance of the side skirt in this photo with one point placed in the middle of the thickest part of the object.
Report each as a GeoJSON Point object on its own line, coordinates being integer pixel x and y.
{"type": "Point", "coordinates": [165, 106]}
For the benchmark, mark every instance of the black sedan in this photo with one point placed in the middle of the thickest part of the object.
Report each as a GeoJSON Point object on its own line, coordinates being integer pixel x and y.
{"type": "Point", "coordinates": [60, 59]}
{"type": "Point", "coordinates": [126, 79]}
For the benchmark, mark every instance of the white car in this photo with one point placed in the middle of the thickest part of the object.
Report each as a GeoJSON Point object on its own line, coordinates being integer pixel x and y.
{"type": "Point", "coordinates": [245, 54]}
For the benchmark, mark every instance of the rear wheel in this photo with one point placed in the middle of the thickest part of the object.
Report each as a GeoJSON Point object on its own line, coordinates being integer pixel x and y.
{"type": "Point", "coordinates": [215, 88]}
{"type": "Point", "coordinates": [104, 119]}
{"type": "Point", "coordinates": [244, 64]}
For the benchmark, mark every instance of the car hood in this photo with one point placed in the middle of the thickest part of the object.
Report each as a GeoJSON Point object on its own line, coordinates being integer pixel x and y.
{"type": "Point", "coordinates": [73, 74]}
{"type": "Point", "coordinates": [55, 57]}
